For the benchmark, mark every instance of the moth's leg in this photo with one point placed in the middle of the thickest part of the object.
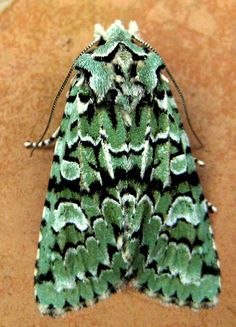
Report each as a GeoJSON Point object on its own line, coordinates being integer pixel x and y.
{"type": "Point", "coordinates": [211, 207]}
{"type": "Point", "coordinates": [43, 143]}
{"type": "Point", "coordinates": [199, 162]}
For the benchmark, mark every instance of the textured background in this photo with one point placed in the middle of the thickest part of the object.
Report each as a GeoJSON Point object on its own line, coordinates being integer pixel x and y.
{"type": "Point", "coordinates": [38, 42]}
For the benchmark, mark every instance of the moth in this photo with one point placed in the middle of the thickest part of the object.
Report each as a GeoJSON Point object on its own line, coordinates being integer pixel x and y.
{"type": "Point", "coordinates": [124, 203]}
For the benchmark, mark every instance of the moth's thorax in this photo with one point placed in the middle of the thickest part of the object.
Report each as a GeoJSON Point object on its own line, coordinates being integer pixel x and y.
{"type": "Point", "coordinates": [120, 61]}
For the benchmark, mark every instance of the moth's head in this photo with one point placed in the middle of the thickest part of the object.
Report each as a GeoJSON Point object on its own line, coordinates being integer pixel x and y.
{"type": "Point", "coordinates": [116, 32]}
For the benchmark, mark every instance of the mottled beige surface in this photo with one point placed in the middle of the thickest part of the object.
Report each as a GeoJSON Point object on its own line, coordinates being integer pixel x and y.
{"type": "Point", "coordinates": [38, 42]}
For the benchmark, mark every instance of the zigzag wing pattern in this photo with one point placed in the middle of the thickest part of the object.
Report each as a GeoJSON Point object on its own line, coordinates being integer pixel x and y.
{"type": "Point", "coordinates": [178, 260]}
{"type": "Point", "coordinates": [124, 201]}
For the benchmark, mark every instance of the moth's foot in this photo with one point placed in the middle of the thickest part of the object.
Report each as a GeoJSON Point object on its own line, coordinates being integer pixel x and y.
{"type": "Point", "coordinates": [199, 162]}
{"type": "Point", "coordinates": [211, 207]}
{"type": "Point", "coordinates": [43, 143]}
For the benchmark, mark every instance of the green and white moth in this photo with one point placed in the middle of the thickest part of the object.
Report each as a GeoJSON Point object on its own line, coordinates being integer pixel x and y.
{"type": "Point", "coordinates": [124, 202]}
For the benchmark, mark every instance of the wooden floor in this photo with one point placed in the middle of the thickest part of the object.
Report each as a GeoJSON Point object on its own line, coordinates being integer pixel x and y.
{"type": "Point", "coordinates": [38, 42]}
